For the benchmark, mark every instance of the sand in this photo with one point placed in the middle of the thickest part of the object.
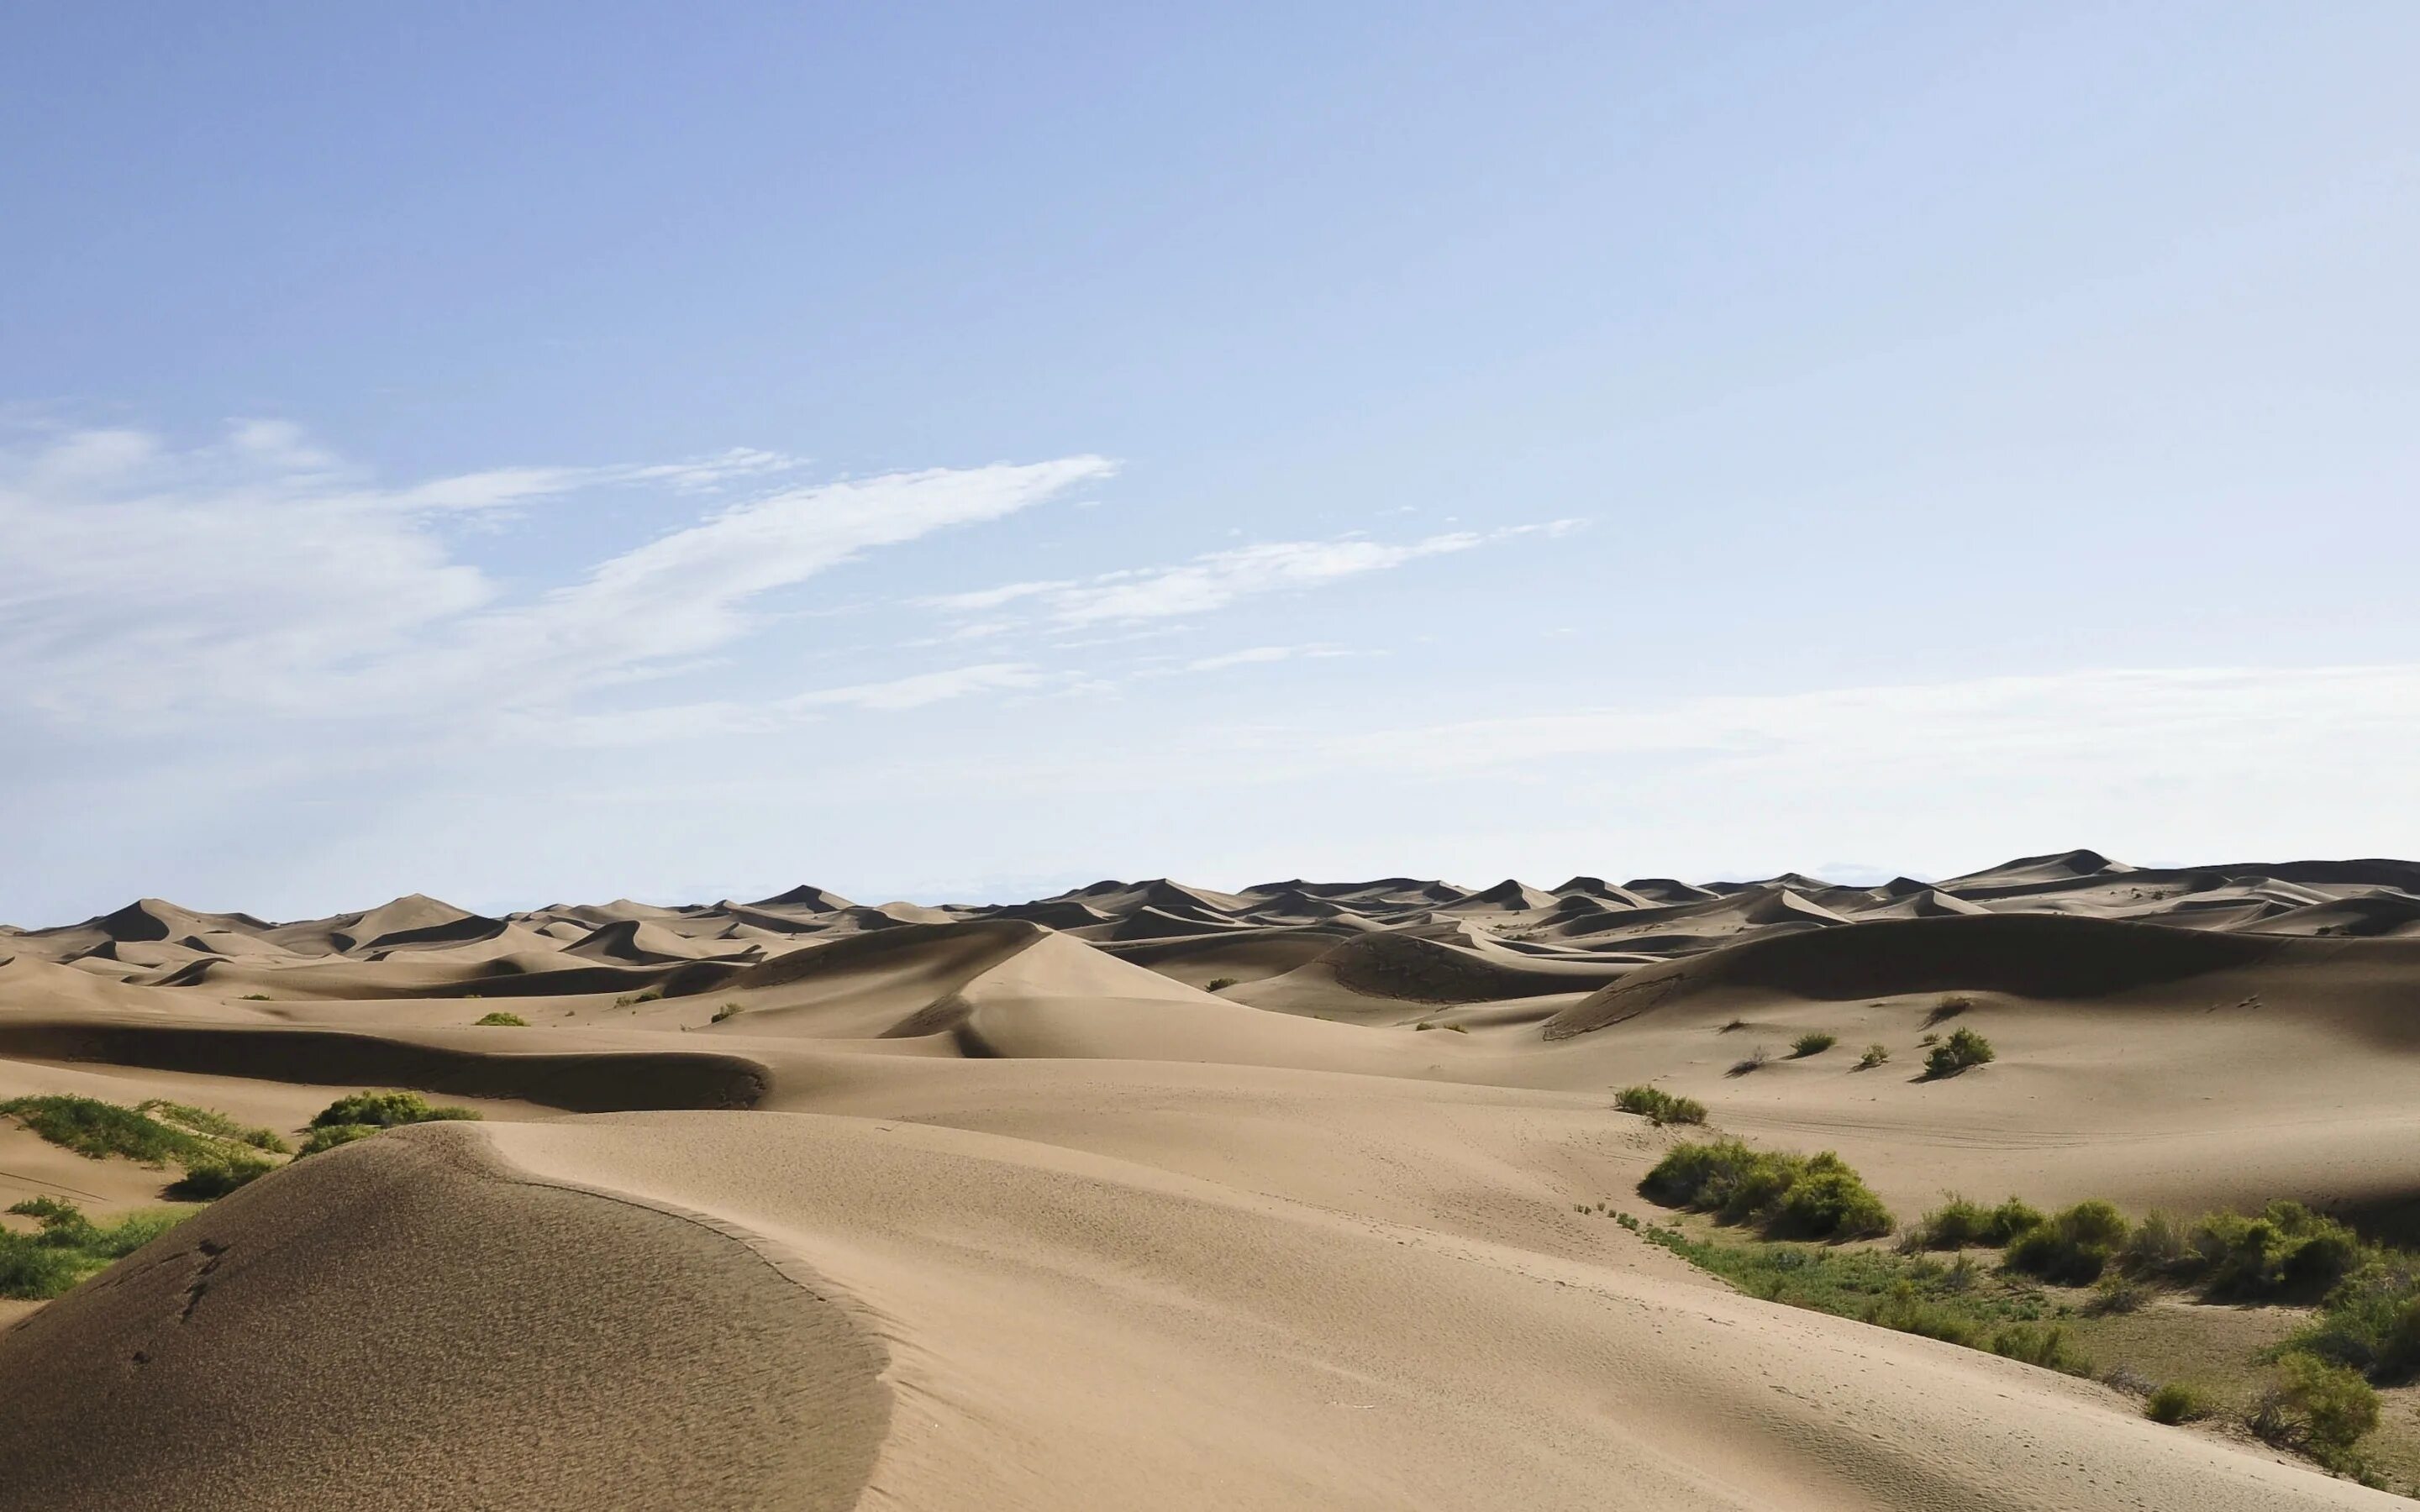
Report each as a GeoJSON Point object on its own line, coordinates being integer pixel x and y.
{"type": "Point", "coordinates": [806, 1203]}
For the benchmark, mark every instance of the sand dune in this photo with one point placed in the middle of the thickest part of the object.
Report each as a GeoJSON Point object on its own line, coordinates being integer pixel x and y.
{"type": "Point", "coordinates": [807, 1203]}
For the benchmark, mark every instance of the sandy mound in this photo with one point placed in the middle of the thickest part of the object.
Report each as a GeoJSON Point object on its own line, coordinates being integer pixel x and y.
{"type": "Point", "coordinates": [408, 1321]}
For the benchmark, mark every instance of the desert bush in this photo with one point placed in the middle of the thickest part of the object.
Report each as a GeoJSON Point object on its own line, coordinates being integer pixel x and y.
{"type": "Point", "coordinates": [2043, 1345]}
{"type": "Point", "coordinates": [2321, 1408]}
{"type": "Point", "coordinates": [68, 1246]}
{"type": "Point", "coordinates": [2177, 1402]}
{"type": "Point", "coordinates": [1733, 1025]}
{"type": "Point", "coordinates": [213, 1123]}
{"type": "Point", "coordinates": [1875, 1054]}
{"type": "Point", "coordinates": [1219, 984]}
{"type": "Point", "coordinates": [1754, 1060]}
{"type": "Point", "coordinates": [212, 1177]}
{"type": "Point", "coordinates": [329, 1135]}
{"type": "Point", "coordinates": [1814, 1196]}
{"type": "Point", "coordinates": [1964, 1048]}
{"type": "Point", "coordinates": [500, 1020]}
{"type": "Point", "coordinates": [2158, 1247]}
{"type": "Point", "coordinates": [1659, 1106]}
{"type": "Point", "coordinates": [726, 1010]}
{"type": "Point", "coordinates": [1949, 1007]}
{"type": "Point", "coordinates": [2073, 1247]}
{"type": "Point", "coordinates": [1959, 1224]}
{"type": "Point", "coordinates": [1813, 1043]}
{"type": "Point", "coordinates": [385, 1110]}
{"type": "Point", "coordinates": [2119, 1293]}
{"type": "Point", "coordinates": [2369, 1322]}
{"type": "Point", "coordinates": [99, 1130]}
{"type": "Point", "coordinates": [1908, 1313]}
{"type": "Point", "coordinates": [2287, 1250]}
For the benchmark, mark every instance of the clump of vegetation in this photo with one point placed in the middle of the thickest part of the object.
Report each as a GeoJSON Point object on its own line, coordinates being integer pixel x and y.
{"type": "Point", "coordinates": [2072, 1247]}
{"type": "Point", "coordinates": [385, 1110]}
{"type": "Point", "coordinates": [636, 998]}
{"type": "Point", "coordinates": [213, 1123]}
{"type": "Point", "coordinates": [359, 1115]}
{"type": "Point", "coordinates": [2370, 1322]}
{"type": "Point", "coordinates": [1962, 1049]}
{"type": "Point", "coordinates": [255, 998]}
{"type": "Point", "coordinates": [99, 1130]}
{"type": "Point", "coordinates": [1219, 984]}
{"type": "Point", "coordinates": [329, 1135]}
{"type": "Point", "coordinates": [1815, 1196]}
{"type": "Point", "coordinates": [1949, 1007]}
{"type": "Point", "coordinates": [68, 1246]}
{"type": "Point", "coordinates": [2317, 1409]}
{"type": "Point", "coordinates": [1755, 1060]}
{"type": "Point", "coordinates": [500, 1021]}
{"type": "Point", "coordinates": [726, 1010]}
{"type": "Point", "coordinates": [2044, 1344]}
{"type": "Point", "coordinates": [1659, 1106]}
{"type": "Point", "coordinates": [212, 1177]}
{"type": "Point", "coordinates": [1959, 1224]}
{"type": "Point", "coordinates": [2178, 1402]}
{"type": "Point", "coordinates": [1875, 1054]}
{"type": "Point", "coordinates": [1812, 1043]}
{"type": "Point", "coordinates": [1735, 1023]}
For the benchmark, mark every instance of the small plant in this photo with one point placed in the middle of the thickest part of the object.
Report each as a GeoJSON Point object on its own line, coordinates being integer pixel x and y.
{"type": "Point", "coordinates": [2118, 1294]}
{"type": "Point", "coordinates": [1219, 984]}
{"type": "Point", "coordinates": [213, 1122]}
{"type": "Point", "coordinates": [2177, 1402]}
{"type": "Point", "coordinates": [1875, 1054]}
{"type": "Point", "coordinates": [1755, 1060]}
{"type": "Point", "coordinates": [255, 998]}
{"type": "Point", "coordinates": [1735, 1023]}
{"type": "Point", "coordinates": [1815, 1196]}
{"type": "Point", "coordinates": [1948, 1007]}
{"type": "Point", "coordinates": [2046, 1346]}
{"type": "Point", "coordinates": [1959, 1224]}
{"type": "Point", "coordinates": [213, 1177]}
{"type": "Point", "coordinates": [329, 1135]}
{"type": "Point", "coordinates": [1659, 1106]}
{"type": "Point", "coordinates": [1962, 1049]}
{"type": "Point", "coordinates": [726, 1010]}
{"type": "Point", "coordinates": [500, 1021]}
{"type": "Point", "coordinates": [359, 1115]}
{"type": "Point", "coordinates": [1929, 1040]}
{"type": "Point", "coordinates": [68, 1246]}
{"type": "Point", "coordinates": [2073, 1247]}
{"type": "Point", "coordinates": [98, 1129]}
{"type": "Point", "coordinates": [1812, 1043]}
{"type": "Point", "coordinates": [2318, 1409]}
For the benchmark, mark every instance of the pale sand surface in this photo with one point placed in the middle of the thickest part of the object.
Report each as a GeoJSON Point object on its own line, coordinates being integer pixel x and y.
{"type": "Point", "coordinates": [1006, 1208]}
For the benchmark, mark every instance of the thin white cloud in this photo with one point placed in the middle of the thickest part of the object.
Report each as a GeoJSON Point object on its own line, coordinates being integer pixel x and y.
{"type": "Point", "coordinates": [1218, 579]}
{"type": "Point", "coordinates": [689, 721]}
{"type": "Point", "coordinates": [148, 586]}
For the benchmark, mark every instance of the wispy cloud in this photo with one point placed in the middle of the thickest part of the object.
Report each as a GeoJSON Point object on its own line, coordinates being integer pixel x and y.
{"type": "Point", "coordinates": [262, 572]}
{"type": "Point", "coordinates": [1218, 579]}
{"type": "Point", "coordinates": [689, 721]}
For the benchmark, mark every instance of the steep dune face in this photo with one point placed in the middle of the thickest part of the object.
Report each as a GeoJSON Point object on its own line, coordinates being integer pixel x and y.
{"type": "Point", "coordinates": [410, 1321]}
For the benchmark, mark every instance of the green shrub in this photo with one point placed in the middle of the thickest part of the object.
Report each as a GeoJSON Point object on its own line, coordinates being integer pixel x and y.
{"type": "Point", "coordinates": [1875, 1054]}
{"type": "Point", "coordinates": [329, 1135]}
{"type": "Point", "coordinates": [2288, 1250]}
{"type": "Point", "coordinates": [214, 1177]}
{"type": "Point", "coordinates": [1908, 1313]}
{"type": "Point", "coordinates": [1812, 1043]}
{"type": "Point", "coordinates": [385, 1110]}
{"type": "Point", "coordinates": [1659, 1106]}
{"type": "Point", "coordinates": [2321, 1408]}
{"type": "Point", "coordinates": [2118, 1293]}
{"type": "Point", "coordinates": [1962, 1049]}
{"type": "Point", "coordinates": [500, 1021]}
{"type": "Point", "coordinates": [1959, 1224]}
{"type": "Point", "coordinates": [1219, 984]}
{"type": "Point", "coordinates": [99, 1130]}
{"type": "Point", "coordinates": [1754, 1060]}
{"type": "Point", "coordinates": [2159, 1246]}
{"type": "Point", "coordinates": [2177, 1402]}
{"type": "Point", "coordinates": [2043, 1345]}
{"type": "Point", "coordinates": [726, 1010]}
{"type": "Point", "coordinates": [1815, 1196]}
{"type": "Point", "coordinates": [68, 1246]}
{"type": "Point", "coordinates": [1948, 1007]}
{"type": "Point", "coordinates": [213, 1123]}
{"type": "Point", "coordinates": [2370, 1322]}
{"type": "Point", "coordinates": [255, 998]}
{"type": "Point", "coordinates": [2073, 1247]}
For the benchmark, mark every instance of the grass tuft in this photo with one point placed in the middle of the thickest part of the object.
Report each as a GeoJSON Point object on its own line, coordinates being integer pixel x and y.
{"type": "Point", "coordinates": [213, 1123]}
{"type": "Point", "coordinates": [1875, 1054]}
{"type": "Point", "coordinates": [500, 1020]}
{"type": "Point", "coordinates": [68, 1246]}
{"type": "Point", "coordinates": [1962, 1049]}
{"type": "Point", "coordinates": [2178, 1402]}
{"type": "Point", "coordinates": [1659, 1106]}
{"type": "Point", "coordinates": [1813, 1043]}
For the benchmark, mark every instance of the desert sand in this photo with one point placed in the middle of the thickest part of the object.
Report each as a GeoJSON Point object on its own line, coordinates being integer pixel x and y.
{"type": "Point", "coordinates": [1153, 1196]}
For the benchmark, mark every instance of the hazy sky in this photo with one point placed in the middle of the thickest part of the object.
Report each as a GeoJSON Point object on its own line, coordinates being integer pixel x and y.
{"type": "Point", "coordinates": [530, 452]}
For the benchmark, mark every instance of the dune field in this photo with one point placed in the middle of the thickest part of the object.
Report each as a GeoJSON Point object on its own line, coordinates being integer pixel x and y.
{"type": "Point", "coordinates": [1152, 1196]}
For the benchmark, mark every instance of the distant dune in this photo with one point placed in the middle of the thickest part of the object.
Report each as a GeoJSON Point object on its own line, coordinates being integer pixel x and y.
{"type": "Point", "coordinates": [1156, 1195]}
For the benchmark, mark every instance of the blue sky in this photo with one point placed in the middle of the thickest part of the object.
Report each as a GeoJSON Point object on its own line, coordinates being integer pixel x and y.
{"type": "Point", "coordinates": [562, 451]}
